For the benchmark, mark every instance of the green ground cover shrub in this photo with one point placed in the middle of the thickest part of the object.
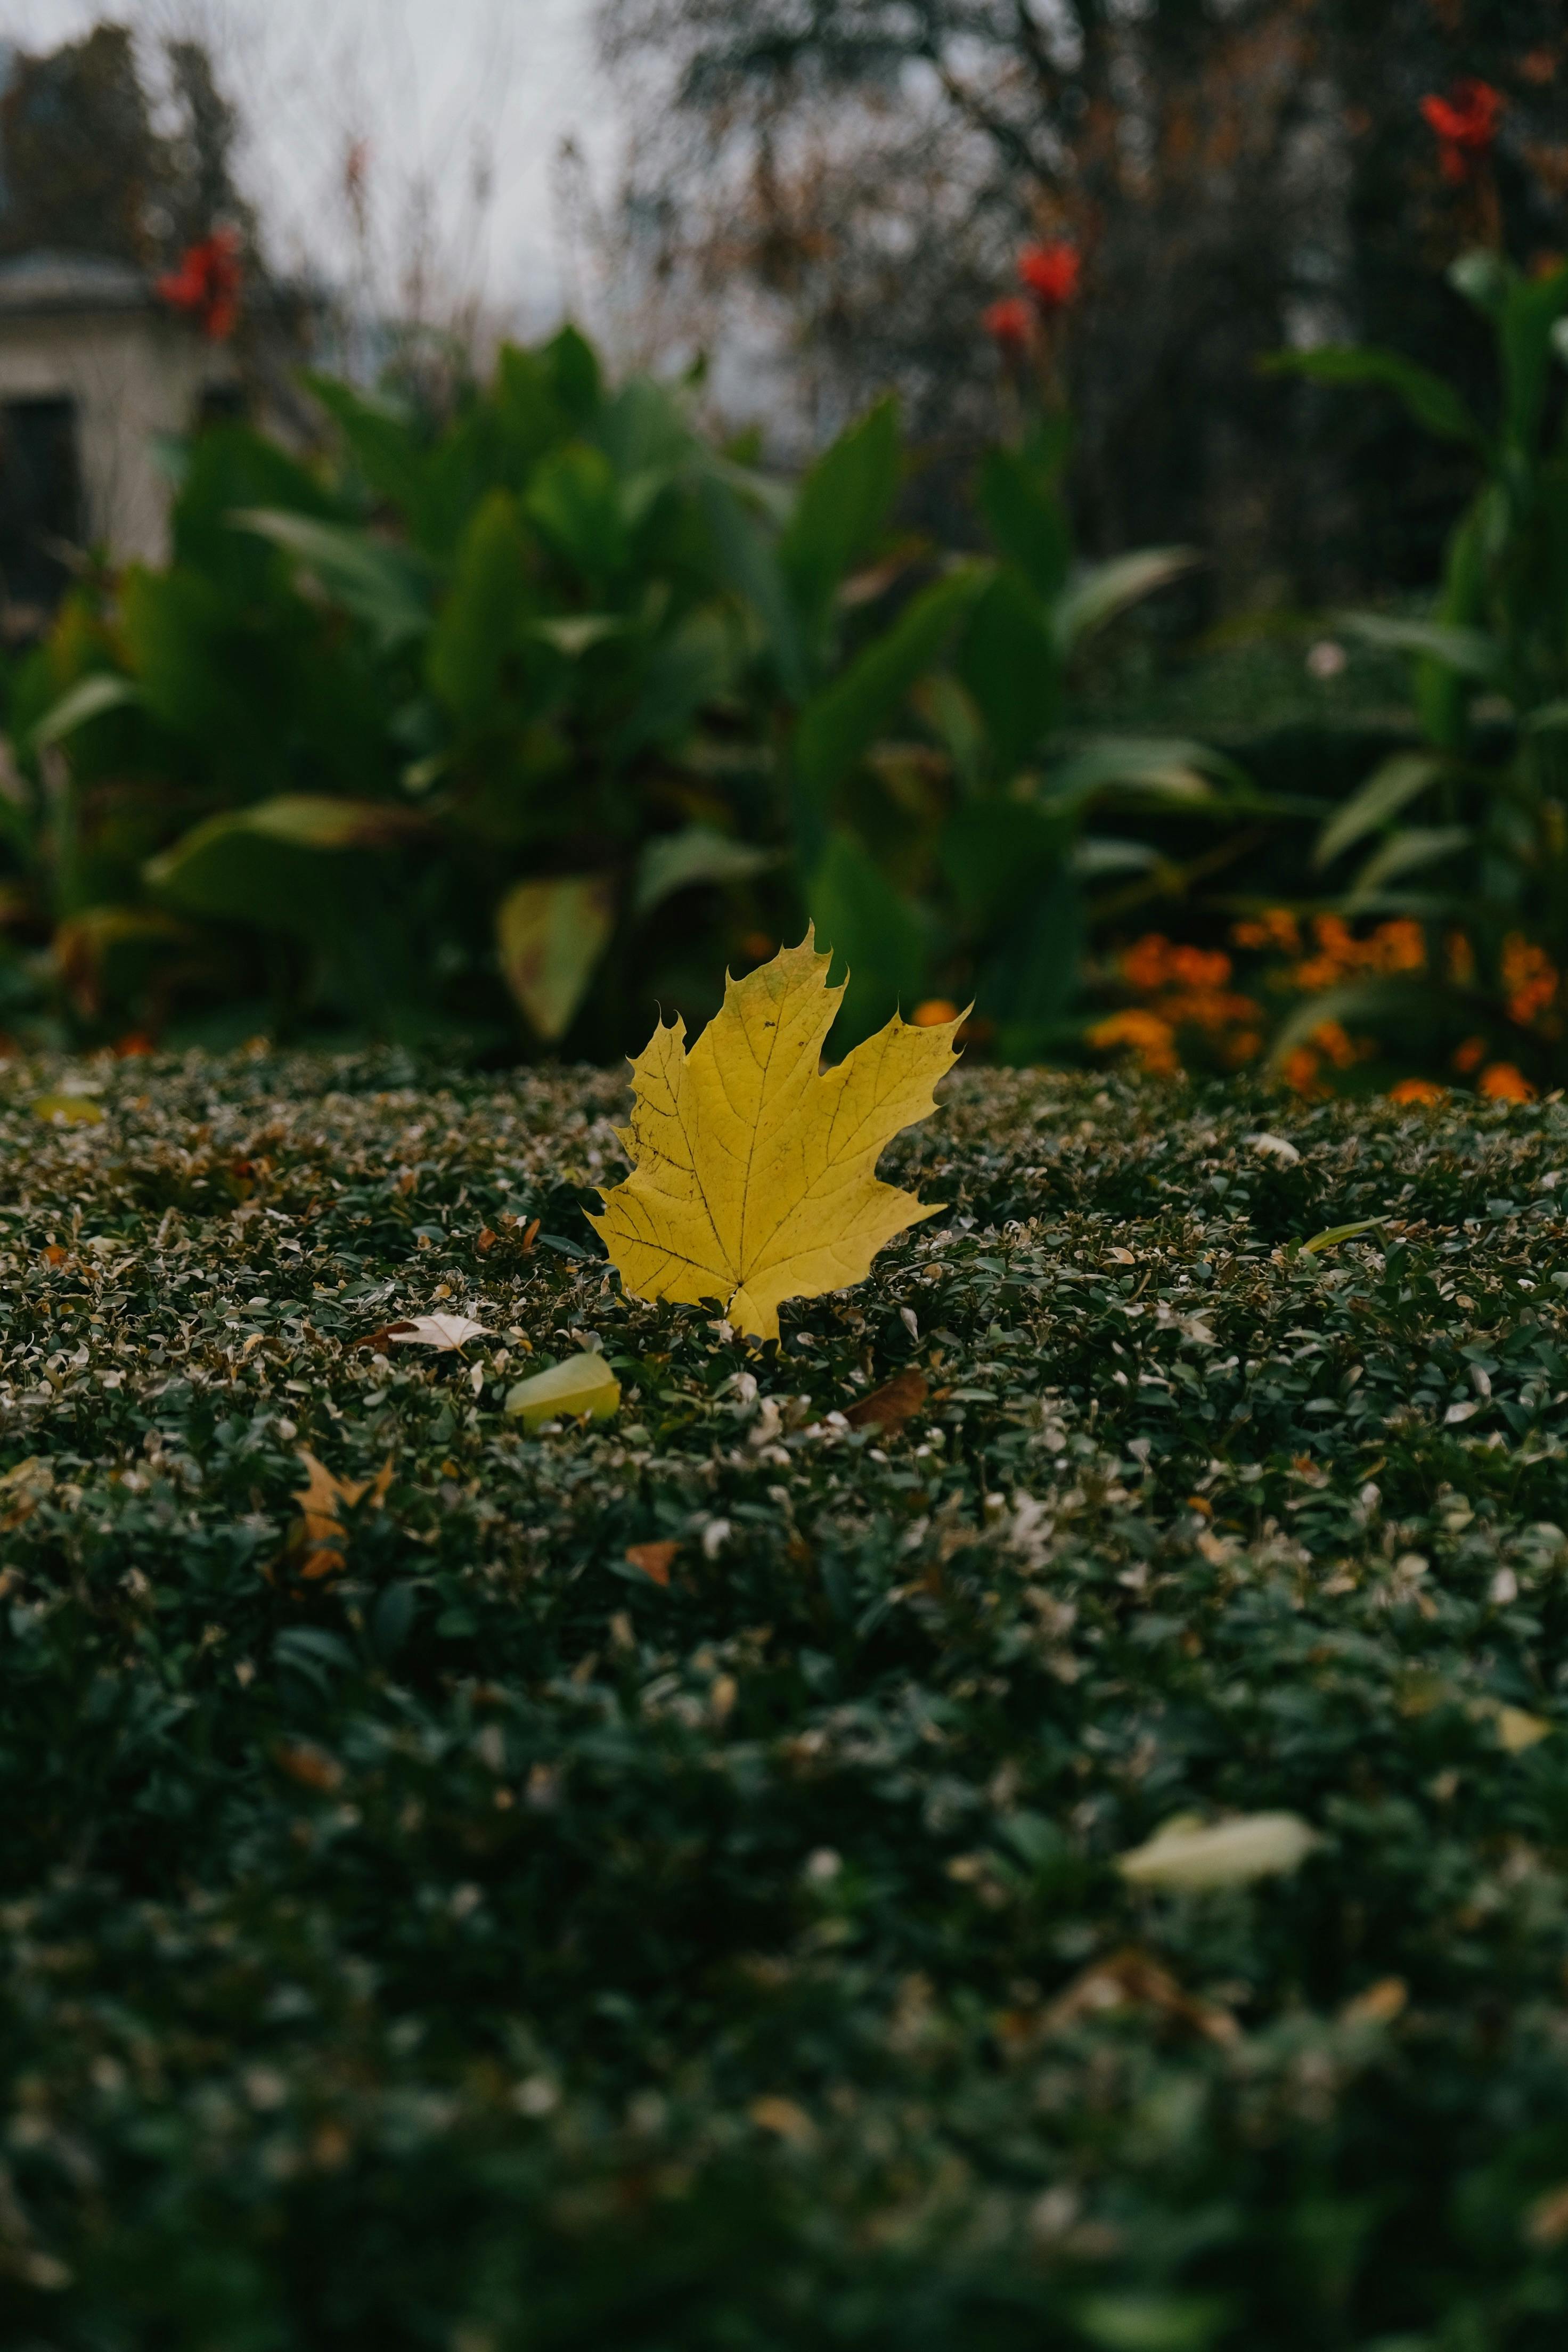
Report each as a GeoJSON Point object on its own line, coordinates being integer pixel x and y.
{"type": "Point", "coordinates": [490, 1946]}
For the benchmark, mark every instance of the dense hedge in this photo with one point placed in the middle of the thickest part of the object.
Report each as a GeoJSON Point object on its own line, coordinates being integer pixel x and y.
{"type": "Point", "coordinates": [491, 1949]}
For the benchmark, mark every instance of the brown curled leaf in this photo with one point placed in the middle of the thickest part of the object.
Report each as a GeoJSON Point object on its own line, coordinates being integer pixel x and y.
{"type": "Point", "coordinates": [892, 1404]}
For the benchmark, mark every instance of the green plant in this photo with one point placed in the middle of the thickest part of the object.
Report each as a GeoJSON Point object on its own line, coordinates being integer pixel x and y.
{"type": "Point", "coordinates": [939, 805]}
{"type": "Point", "coordinates": [1467, 830]}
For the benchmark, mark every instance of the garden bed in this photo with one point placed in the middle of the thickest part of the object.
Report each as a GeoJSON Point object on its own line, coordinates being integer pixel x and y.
{"type": "Point", "coordinates": [488, 1945]}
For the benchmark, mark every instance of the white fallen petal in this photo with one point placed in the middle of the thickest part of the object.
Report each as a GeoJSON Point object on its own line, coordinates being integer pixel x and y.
{"type": "Point", "coordinates": [1274, 1147]}
{"type": "Point", "coordinates": [582, 1384]}
{"type": "Point", "coordinates": [1256, 1845]}
{"type": "Point", "coordinates": [436, 1331]}
{"type": "Point", "coordinates": [1461, 1413]}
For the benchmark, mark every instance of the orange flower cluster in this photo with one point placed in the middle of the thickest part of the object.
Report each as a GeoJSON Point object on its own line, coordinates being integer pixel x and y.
{"type": "Point", "coordinates": [1396, 946]}
{"type": "Point", "coordinates": [1190, 989]}
{"type": "Point", "coordinates": [1528, 978]}
{"type": "Point", "coordinates": [1302, 1071]}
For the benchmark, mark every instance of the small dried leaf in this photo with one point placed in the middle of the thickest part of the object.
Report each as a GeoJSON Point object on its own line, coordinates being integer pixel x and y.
{"type": "Point", "coordinates": [310, 1765]}
{"type": "Point", "coordinates": [655, 1559]}
{"type": "Point", "coordinates": [1183, 1859]}
{"type": "Point", "coordinates": [781, 2115]}
{"type": "Point", "coordinates": [1518, 1729]}
{"type": "Point", "coordinates": [1380, 2004]}
{"type": "Point", "coordinates": [892, 1404]}
{"type": "Point", "coordinates": [438, 1331]}
{"type": "Point", "coordinates": [1132, 1979]}
{"type": "Point", "coordinates": [485, 1240]}
{"type": "Point", "coordinates": [322, 1500]}
{"type": "Point", "coordinates": [582, 1384]}
{"type": "Point", "coordinates": [1274, 1147]}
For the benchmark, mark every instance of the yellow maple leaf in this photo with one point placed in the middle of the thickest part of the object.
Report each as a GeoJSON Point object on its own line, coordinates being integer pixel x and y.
{"type": "Point", "coordinates": [754, 1170]}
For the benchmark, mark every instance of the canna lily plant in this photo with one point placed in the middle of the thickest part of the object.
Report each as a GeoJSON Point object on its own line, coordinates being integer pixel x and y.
{"type": "Point", "coordinates": [1465, 831]}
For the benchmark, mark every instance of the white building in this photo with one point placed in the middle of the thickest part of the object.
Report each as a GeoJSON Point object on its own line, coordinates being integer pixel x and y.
{"type": "Point", "coordinates": [96, 375]}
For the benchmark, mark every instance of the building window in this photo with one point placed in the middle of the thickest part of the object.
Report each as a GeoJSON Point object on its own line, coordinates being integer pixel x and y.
{"type": "Point", "coordinates": [40, 501]}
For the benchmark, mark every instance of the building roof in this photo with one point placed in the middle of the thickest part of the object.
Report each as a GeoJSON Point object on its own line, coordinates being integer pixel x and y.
{"type": "Point", "coordinates": [44, 283]}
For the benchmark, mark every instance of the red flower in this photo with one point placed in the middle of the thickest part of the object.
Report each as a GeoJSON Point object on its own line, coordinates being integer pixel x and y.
{"type": "Point", "coordinates": [1009, 323]}
{"type": "Point", "coordinates": [1466, 123]}
{"type": "Point", "coordinates": [207, 284]}
{"type": "Point", "coordinates": [1050, 273]}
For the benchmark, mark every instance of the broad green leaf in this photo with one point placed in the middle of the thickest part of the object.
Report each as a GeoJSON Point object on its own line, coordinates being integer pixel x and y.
{"type": "Point", "coordinates": [478, 623]}
{"type": "Point", "coordinates": [686, 669]}
{"type": "Point", "coordinates": [839, 725]}
{"type": "Point", "coordinates": [1027, 520]}
{"type": "Point", "coordinates": [679, 861]}
{"type": "Point", "coordinates": [1470, 652]}
{"type": "Point", "coordinates": [751, 570]}
{"type": "Point", "coordinates": [574, 502]}
{"type": "Point", "coordinates": [565, 1391]}
{"type": "Point", "coordinates": [1405, 852]}
{"type": "Point", "coordinates": [1008, 660]}
{"type": "Point", "coordinates": [1391, 787]}
{"type": "Point", "coordinates": [996, 854]}
{"type": "Point", "coordinates": [272, 864]}
{"type": "Point", "coordinates": [1430, 399]}
{"type": "Point", "coordinates": [380, 437]}
{"type": "Point", "coordinates": [754, 1170]}
{"type": "Point", "coordinates": [865, 924]}
{"type": "Point", "coordinates": [552, 936]}
{"type": "Point", "coordinates": [89, 698]}
{"type": "Point", "coordinates": [1098, 594]}
{"type": "Point", "coordinates": [843, 504]}
{"type": "Point", "coordinates": [383, 586]}
{"type": "Point", "coordinates": [1152, 767]}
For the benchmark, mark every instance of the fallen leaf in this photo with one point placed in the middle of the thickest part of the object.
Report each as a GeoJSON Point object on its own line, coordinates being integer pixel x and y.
{"type": "Point", "coordinates": [1380, 2004]}
{"type": "Point", "coordinates": [485, 1240]}
{"type": "Point", "coordinates": [76, 1111]}
{"type": "Point", "coordinates": [891, 1405]}
{"type": "Point", "coordinates": [1546, 2223]}
{"type": "Point", "coordinates": [1457, 1412]}
{"type": "Point", "coordinates": [530, 1235]}
{"type": "Point", "coordinates": [439, 1332]}
{"type": "Point", "coordinates": [310, 1765]}
{"type": "Point", "coordinates": [655, 1559]}
{"type": "Point", "coordinates": [53, 1255]}
{"type": "Point", "coordinates": [1518, 1729]}
{"type": "Point", "coordinates": [322, 1499]}
{"type": "Point", "coordinates": [1132, 1980]}
{"type": "Point", "coordinates": [782, 2117]}
{"type": "Point", "coordinates": [582, 1384]}
{"type": "Point", "coordinates": [1182, 1858]}
{"type": "Point", "coordinates": [753, 1169]}
{"type": "Point", "coordinates": [1274, 1147]}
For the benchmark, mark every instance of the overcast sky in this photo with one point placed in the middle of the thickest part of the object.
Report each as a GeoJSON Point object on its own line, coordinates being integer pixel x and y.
{"type": "Point", "coordinates": [447, 91]}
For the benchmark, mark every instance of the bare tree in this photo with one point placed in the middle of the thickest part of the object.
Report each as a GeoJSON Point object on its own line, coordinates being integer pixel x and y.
{"type": "Point", "coordinates": [1238, 174]}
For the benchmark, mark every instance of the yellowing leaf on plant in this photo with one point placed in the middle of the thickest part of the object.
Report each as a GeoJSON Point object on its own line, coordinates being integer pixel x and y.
{"type": "Point", "coordinates": [552, 936]}
{"type": "Point", "coordinates": [753, 1169]}
{"type": "Point", "coordinates": [439, 1332]}
{"type": "Point", "coordinates": [582, 1384]}
{"type": "Point", "coordinates": [322, 1500]}
{"type": "Point", "coordinates": [1183, 1859]}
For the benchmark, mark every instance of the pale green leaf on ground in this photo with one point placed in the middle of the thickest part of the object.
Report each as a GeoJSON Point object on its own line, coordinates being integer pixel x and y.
{"type": "Point", "coordinates": [582, 1384]}
{"type": "Point", "coordinates": [1180, 1859]}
